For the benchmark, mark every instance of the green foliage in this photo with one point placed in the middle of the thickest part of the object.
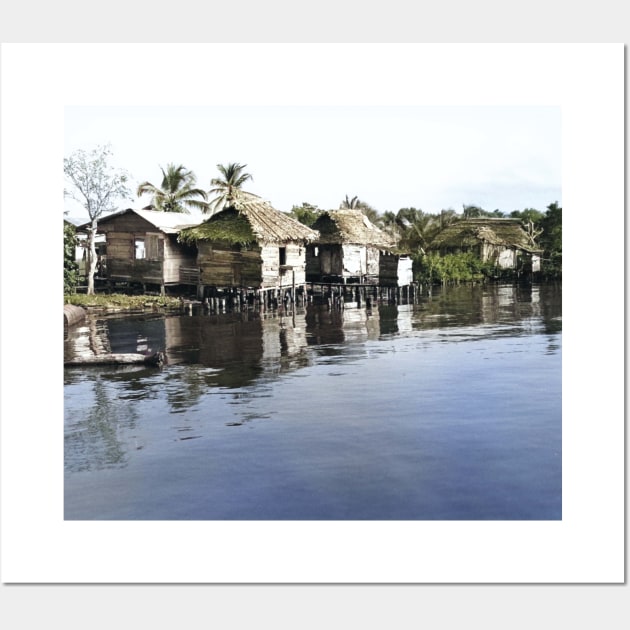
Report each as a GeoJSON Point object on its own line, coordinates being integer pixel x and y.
{"type": "Point", "coordinates": [227, 227]}
{"type": "Point", "coordinates": [120, 301]}
{"type": "Point", "coordinates": [70, 267]}
{"type": "Point", "coordinates": [306, 214]}
{"type": "Point", "coordinates": [551, 241]}
{"type": "Point", "coordinates": [177, 192]}
{"type": "Point", "coordinates": [452, 268]}
{"type": "Point", "coordinates": [472, 212]}
{"type": "Point", "coordinates": [416, 229]}
{"type": "Point", "coordinates": [230, 187]}
{"type": "Point", "coordinates": [527, 215]}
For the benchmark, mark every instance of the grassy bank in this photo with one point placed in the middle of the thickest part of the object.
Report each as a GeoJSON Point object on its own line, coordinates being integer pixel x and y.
{"type": "Point", "coordinates": [122, 302]}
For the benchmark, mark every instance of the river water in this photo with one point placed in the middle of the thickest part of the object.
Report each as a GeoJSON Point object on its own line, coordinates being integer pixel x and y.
{"type": "Point", "coordinates": [447, 409]}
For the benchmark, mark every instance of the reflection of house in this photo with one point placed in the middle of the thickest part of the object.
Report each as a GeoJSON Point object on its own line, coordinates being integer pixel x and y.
{"type": "Point", "coordinates": [502, 241]}
{"type": "Point", "coordinates": [351, 249]}
{"type": "Point", "coordinates": [240, 346]}
{"type": "Point", "coordinates": [142, 247]}
{"type": "Point", "coordinates": [250, 245]}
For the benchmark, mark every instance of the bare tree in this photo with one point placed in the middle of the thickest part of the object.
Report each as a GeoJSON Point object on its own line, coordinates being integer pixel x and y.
{"type": "Point", "coordinates": [96, 186]}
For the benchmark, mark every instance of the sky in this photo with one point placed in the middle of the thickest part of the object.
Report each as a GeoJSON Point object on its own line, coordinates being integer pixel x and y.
{"type": "Point", "coordinates": [428, 157]}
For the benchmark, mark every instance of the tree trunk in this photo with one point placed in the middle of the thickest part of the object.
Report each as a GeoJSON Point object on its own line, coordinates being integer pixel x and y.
{"type": "Point", "coordinates": [118, 359]}
{"type": "Point", "coordinates": [91, 257]}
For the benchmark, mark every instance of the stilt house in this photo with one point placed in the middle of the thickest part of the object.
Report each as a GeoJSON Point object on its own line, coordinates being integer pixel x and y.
{"type": "Point", "coordinates": [249, 246]}
{"type": "Point", "coordinates": [352, 250]}
{"type": "Point", "coordinates": [142, 248]}
{"type": "Point", "coordinates": [505, 242]}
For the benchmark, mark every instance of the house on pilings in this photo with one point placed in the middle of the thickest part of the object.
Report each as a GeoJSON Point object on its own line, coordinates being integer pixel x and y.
{"type": "Point", "coordinates": [249, 250]}
{"type": "Point", "coordinates": [141, 249]}
{"type": "Point", "coordinates": [504, 242]}
{"type": "Point", "coordinates": [352, 250]}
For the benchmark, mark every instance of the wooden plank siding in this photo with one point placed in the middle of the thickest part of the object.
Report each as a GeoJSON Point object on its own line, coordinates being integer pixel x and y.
{"type": "Point", "coordinates": [175, 257]}
{"type": "Point", "coordinates": [163, 255]}
{"type": "Point", "coordinates": [225, 266]}
{"type": "Point", "coordinates": [275, 274]}
{"type": "Point", "coordinates": [254, 268]}
{"type": "Point", "coordinates": [395, 270]}
{"type": "Point", "coordinates": [348, 263]}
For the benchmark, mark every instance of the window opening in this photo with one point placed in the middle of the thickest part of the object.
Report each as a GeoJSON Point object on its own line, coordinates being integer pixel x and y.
{"type": "Point", "coordinates": [139, 248]}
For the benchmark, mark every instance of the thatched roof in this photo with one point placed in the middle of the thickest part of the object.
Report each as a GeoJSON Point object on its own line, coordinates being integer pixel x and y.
{"type": "Point", "coordinates": [351, 226]}
{"type": "Point", "coordinates": [470, 232]}
{"type": "Point", "coordinates": [250, 219]}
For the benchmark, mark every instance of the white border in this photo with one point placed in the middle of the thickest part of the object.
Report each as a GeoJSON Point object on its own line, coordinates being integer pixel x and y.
{"type": "Point", "coordinates": [586, 80]}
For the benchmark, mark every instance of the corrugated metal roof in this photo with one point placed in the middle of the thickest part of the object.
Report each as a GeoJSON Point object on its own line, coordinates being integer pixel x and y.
{"type": "Point", "coordinates": [167, 222]}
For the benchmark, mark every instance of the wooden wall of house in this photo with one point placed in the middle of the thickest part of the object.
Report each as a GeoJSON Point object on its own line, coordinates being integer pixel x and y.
{"type": "Point", "coordinates": [395, 270]}
{"type": "Point", "coordinates": [354, 260]}
{"type": "Point", "coordinates": [330, 261]}
{"type": "Point", "coordinates": [257, 267]}
{"type": "Point", "coordinates": [312, 262]}
{"type": "Point", "coordinates": [506, 258]}
{"type": "Point", "coordinates": [176, 255]}
{"type": "Point", "coordinates": [323, 261]}
{"type": "Point", "coordinates": [372, 256]}
{"type": "Point", "coordinates": [405, 271]}
{"type": "Point", "coordinates": [121, 261]}
{"type": "Point", "coordinates": [130, 223]}
{"type": "Point", "coordinates": [360, 260]}
{"type": "Point", "coordinates": [276, 275]}
{"type": "Point", "coordinates": [222, 266]}
{"type": "Point", "coordinates": [120, 245]}
{"type": "Point", "coordinates": [388, 270]}
{"type": "Point", "coordinates": [163, 254]}
{"type": "Point", "coordinates": [536, 263]}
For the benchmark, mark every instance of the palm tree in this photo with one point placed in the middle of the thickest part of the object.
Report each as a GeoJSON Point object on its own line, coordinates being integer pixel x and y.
{"type": "Point", "coordinates": [350, 203]}
{"type": "Point", "coordinates": [229, 188]}
{"type": "Point", "coordinates": [447, 217]}
{"type": "Point", "coordinates": [417, 228]}
{"type": "Point", "coordinates": [389, 223]}
{"type": "Point", "coordinates": [177, 193]}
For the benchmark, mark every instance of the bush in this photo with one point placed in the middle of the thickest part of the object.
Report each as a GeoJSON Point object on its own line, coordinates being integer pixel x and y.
{"type": "Point", "coordinates": [451, 268]}
{"type": "Point", "coordinates": [70, 267]}
{"type": "Point", "coordinates": [122, 301]}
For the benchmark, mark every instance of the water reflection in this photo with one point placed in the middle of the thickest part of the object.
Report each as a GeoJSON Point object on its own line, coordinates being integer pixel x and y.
{"type": "Point", "coordinates": [239, 349]}
{"type": "Point", "coordinates": [93, 440]}
{"type": "Point", "coordinates": [222, 369]}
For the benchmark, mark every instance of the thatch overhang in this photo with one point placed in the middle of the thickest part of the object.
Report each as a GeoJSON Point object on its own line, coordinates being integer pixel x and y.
{"type": "Point", "coordinates": [499, 232]}
{"type": "Point", "coordinates": [249, 220]}
{"type": "Point", "coordinates": [351, 227]}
